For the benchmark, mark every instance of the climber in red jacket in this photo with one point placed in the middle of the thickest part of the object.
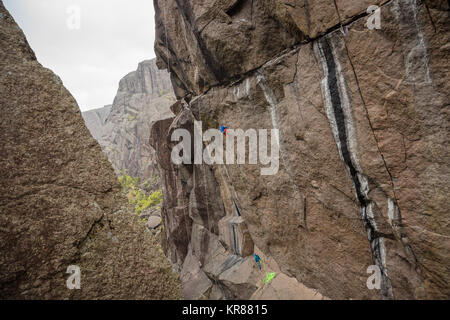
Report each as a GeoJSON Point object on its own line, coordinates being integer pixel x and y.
{"type": "Point", "coordinates": [223, 129]}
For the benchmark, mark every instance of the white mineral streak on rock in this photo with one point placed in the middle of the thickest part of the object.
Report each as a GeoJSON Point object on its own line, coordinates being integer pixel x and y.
{"type": "Point", "coordinates": [366, 211]}
{"type": "Point", "coordinates": [271, 99]}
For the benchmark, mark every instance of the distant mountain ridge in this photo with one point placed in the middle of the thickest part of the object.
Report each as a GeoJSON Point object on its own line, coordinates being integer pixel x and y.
{"type": "Point", "coordinates": [97, 119]}
{"type": "Point", "coordinates": [122, 129]}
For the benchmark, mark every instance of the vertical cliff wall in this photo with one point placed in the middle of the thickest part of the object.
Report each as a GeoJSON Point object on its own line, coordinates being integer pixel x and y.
{"type": "Point", "coordinates": [95, 121]}
{"type": "Point", "coordinates": [122, 129]}
{"type": "Point", "coordinates": [363, 134]}
{"type": "Point", "coordinates": [60, 202]}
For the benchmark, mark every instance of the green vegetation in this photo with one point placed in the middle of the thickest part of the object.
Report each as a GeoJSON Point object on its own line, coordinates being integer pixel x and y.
{"type": "Point", "coordinates": [169, 98]}
{"type": "Point", "coordinates": [136, 196]}
{"type": "Point", "coordinates": [270, 276]}
{"type": "Point", "coordinates": [128, 182]}
{"type": "Point", "coordinates": [143, 202]}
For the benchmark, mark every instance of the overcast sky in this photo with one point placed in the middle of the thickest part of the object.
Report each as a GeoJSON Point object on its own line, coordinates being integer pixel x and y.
{"type": "Point", "coordinates": [112, 38]}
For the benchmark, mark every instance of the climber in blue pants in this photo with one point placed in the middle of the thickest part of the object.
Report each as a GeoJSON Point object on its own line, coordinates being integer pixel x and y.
{"type": "Point", "coordinates": [258, 261]}
{"type": "Point", "coordinates": [223, 129]}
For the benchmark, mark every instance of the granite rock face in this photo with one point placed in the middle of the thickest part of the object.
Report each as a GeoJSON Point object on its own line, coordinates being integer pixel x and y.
{"type": "Point", "coordinates": [122, 129]}
{"type": "Point", "coordinates": [363, 119]}
{"type": "Point", "coordinates": [95, 121]}
{"type": "Point", "coordinates": [60, 202]}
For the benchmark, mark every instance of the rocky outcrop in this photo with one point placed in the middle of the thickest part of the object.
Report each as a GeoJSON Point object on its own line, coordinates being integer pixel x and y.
{"type": "Point", "coordinates": [363, 136]}
{"type": "Point", "coordinates": [60, 202]}
{"type": "Point", "coordinates": [95, 121]}
{"type": "Point", "coordinates": [204, 234]}
{"type": "Point", "coordinates": [122, 130]}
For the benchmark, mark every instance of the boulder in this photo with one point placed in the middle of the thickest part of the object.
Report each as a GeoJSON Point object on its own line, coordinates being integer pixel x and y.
{"type": "Point", "coordinates": [153, 222]}
{"type": "Point", "coordinates": [61, 207]}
